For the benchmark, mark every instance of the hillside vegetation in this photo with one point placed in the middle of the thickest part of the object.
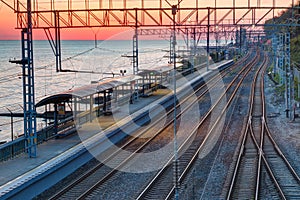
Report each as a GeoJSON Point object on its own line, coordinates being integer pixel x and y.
{"type": "Point", "coordinates": [290, 16]}
{"type": "Point", "coordinates": [287, 17]}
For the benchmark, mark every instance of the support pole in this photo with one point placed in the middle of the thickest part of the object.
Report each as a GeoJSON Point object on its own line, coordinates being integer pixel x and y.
{"type": "Point", "coordinates": [28, 87]}
{"type": "Point", "coordinates": [207, 41]}
{"type": "Point", "coordinates": [11, 124]}
{"type": "Point", "coordinates": [233, 15]}
{"type": "Point", "coordinates": [55, 119]}
{"type": "Point", "coordinates": [104, 101]}
{"type": "Point", "coordinates": [91, 107]}
{"type": "Point", "coordinates": [171, 60]}
{"type": "Point", "coordinates": [57, 43]}
{"type": "Point", "coordinates": [240, 38]}
{"type": "Point", "coordinates": [288, 77]}
{"type": "Point", "coordinates": [274, 47]}
{"type": "Point", "coordinates": [298, 78]}
{"type": "Point", "coordinates": [194, 47]}
{"type": "Point", "coordinates": [293, 105]}
{"type": "Point", "coordinates": [135, 46]}
{"type": "Point", "coordinates": [96, 45]}
{"type": "Point", "coordinates": [280, 58]}
{"type": "Point", "coordinates": [135, 57]}
{"type": "Point", "coordinates": [11, 129]}
{"type": "Point", "coordinates": [176, 175]}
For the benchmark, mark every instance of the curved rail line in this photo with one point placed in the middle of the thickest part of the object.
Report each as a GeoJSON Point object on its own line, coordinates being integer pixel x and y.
{"type": "Point", "coordinates": [161, 186]}
{"type": "Point", "coordinates": [247, 165]}
{"type": "Point", "coordinates": [258, 149]}
{"type": "Point", "coordinates": [53, 169]}
{"type": "Point", "coordinates": [284, 176]}
{"type": "Point", "coordinates": [88, 183]}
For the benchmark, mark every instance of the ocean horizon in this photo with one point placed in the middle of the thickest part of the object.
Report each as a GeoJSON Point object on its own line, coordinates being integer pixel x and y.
{"type": "Point", "coordinates": [108, 57]}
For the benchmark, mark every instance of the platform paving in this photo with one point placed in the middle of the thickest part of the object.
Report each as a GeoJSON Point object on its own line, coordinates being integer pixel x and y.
{"type": "Point", "coordinates": [19, 165]}
{"type": "Point", "coordinates": [46, 151]}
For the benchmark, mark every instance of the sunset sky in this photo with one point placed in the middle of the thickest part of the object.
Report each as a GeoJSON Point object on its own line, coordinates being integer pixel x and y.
{"type": "Point", "coordinates": [8, 18]}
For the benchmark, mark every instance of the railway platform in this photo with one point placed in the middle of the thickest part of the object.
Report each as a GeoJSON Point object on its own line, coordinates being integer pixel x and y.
{"type": "Point", "coordinates": [13, 168]}
{"type": "Point", "coordinates": [21, 169]}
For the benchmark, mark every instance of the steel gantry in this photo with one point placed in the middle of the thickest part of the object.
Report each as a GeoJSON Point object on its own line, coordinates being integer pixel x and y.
{"type": "Point", "coordinates": [137, 14]}
{"type": "Point", "coordinates": [88, 13]}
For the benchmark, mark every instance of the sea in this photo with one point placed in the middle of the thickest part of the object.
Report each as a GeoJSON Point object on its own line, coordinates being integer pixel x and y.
{"type": "Point", "coordinates": [98, 60]}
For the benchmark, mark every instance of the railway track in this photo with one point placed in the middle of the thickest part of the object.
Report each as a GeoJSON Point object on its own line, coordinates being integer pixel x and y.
{"type": "Point", "coordinates": [161, 186]}
{"type": "Point", "coordinates": [248, 158]}
{"type": "Point", "coordinates": [94, 178]}
{"type": "Point", "coordinates": [281, 172]}
{"type": "Point", "coordinates": [260, 156]}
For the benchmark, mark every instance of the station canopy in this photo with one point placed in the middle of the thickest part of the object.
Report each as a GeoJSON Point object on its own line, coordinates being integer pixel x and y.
{"type": "Point", "coordinates": [87, 90]}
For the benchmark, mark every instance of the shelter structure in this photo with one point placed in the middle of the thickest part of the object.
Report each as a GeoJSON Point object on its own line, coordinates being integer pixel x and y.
{"type": "Point", "coordinates": [85, 101]}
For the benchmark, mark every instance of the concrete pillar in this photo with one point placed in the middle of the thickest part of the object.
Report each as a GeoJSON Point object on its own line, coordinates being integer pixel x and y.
{"type": "Point", "coordinates": [115, 94]}
{"type": "Point", "coordinates": [91, 107]}
{"type": "Point", "coordinates": [104, 100]}
{"type": "Point", "coordinates": [75, 109]}
{"type": "Point", "coordinates": [55, 119]}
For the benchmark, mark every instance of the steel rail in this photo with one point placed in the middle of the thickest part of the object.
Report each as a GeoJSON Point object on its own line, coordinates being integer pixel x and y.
{"type": "Point", "coordinates": [273, 140]}
{"type": "Point", "coordinates": [100, 182]}
{"type": "Point", "coordinates": [185, 173]}
{"type": "Point", "coordinates": [244, 140]}
{"type": "Point", "coordinates": [262, 68]}
{"type": "Point", "coordinates": [263, 153]}
{"type": "Point", "coordinates": [97, 167]}
{"type": "Point", "coordinates": [259, 148]}
{"type": "Point", "coordinates": [260, 145]}
{"type": "Point", "coordinates": [277, 149]}
{"type": "Point", "coordinates": [281, 153]}
{"type": "Point", "coordinates": [194, 131]}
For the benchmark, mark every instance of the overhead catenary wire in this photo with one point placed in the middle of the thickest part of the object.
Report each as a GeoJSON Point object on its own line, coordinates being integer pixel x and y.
{"type": "Point", "coordinates": [9, 77]}
{"type": "Point", "coordinates": [48, 70]}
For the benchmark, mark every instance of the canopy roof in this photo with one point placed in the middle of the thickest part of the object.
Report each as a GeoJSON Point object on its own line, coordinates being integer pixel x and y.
{"type": "Point", "coordinates": [87, 90]}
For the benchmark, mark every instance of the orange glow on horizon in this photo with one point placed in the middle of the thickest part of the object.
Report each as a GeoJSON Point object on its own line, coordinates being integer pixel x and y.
{"type": "Point", "coordinates": [9, 32]}
{"type": "Point", "coordinates": [8, 20]}
{"type": "Point", "coordinates": [8, 24]}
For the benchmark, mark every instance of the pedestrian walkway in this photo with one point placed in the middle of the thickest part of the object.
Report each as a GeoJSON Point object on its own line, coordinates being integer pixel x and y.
{"type": "Point", "coordinates": [20, 169]}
